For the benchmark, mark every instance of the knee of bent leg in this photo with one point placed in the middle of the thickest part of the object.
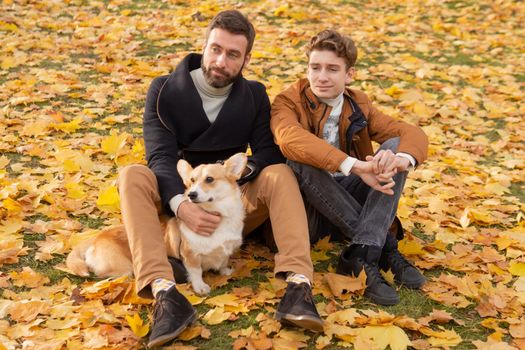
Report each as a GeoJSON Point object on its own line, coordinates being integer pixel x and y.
{"type": "Point", "coordinates": [135, 175]}
{"type": "Point", "coordinates": [391, 144]}
{"type": "Point", "coordinates": [277, 174]}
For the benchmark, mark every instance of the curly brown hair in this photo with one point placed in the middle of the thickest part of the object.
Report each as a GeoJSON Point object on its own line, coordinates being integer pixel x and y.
{"type": "Point", "coordinates": [343, 46]}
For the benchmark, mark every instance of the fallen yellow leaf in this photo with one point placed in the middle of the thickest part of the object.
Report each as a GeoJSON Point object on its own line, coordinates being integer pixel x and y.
{"type": "Point", "coordinates": [137, 325]}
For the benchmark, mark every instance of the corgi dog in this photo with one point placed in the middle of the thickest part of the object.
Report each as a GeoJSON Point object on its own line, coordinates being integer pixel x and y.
{"type": "Point", "coordinates": [212, 187]}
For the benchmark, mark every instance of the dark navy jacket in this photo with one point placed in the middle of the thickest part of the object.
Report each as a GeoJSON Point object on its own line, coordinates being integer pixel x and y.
{"type": "Point", "coordinates": [176, 126]}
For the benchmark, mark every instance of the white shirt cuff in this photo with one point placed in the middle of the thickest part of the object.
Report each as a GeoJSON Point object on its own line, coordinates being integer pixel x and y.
{"type": "Point", "coordinates": [347, 164]}
{"type": "Point", "coordinates": [411, 159]}
{"type": "Point", "coordinates": [175, 202]}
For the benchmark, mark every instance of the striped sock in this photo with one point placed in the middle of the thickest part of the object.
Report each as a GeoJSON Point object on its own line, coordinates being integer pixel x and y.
{"type": "Point", "coordinates": [297, 278]}
{"type": "Point", "coordinates": [161, 284]}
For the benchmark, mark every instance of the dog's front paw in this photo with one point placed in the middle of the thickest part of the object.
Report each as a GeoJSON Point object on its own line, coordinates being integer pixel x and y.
{"type": "Point", "coordinates": [226, 271]}
{"type": "Point", "coordinates": [201, 288]}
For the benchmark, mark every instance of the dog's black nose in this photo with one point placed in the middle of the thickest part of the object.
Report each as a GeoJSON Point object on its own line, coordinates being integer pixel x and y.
{"type": "Point", "coordinates": [192, 195]}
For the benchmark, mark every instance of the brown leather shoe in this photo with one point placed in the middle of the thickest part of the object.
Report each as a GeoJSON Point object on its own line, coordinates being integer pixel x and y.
{"type": "Point", "coordinates": [297, 308]}
{"type": "Point", "coordinates": [172, 314]}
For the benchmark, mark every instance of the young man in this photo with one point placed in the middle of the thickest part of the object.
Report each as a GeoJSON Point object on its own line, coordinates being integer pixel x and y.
{"type": "Point", "coordinates": [325, 130]}
{"type": "Point", "coordinates": [206, 111]}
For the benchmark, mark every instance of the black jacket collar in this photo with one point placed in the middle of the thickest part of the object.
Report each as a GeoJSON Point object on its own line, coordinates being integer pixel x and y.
{"type": "Point", "coordinates": [179, 104]}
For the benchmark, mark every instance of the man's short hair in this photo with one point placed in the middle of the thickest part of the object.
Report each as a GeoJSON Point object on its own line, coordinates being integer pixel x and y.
{"type": "Point", "coordinates": [343, 46]}
{"type": "Point", "coordinates": [234, 22]}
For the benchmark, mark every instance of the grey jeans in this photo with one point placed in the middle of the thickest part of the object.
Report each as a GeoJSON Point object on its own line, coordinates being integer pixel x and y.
{"type": "Point", "coordinates": [345, 205]}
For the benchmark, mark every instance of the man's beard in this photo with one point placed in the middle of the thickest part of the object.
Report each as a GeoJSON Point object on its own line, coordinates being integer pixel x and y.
{"type": "Point", "coordinates": [221, 82]}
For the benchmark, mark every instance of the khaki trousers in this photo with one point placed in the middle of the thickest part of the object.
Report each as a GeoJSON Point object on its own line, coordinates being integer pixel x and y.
{"type": "Point", "coordinates": [273, 194]}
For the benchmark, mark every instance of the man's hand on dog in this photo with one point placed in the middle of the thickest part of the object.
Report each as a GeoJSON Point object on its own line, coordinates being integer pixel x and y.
{"type": "Point", "coordinates": [197, 219]}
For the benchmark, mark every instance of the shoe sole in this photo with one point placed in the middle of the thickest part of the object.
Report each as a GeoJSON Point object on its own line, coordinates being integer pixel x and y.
{"type": "Point", "coordinates": [382, 300]}
{"type": "Point", "coordinates": [307, 322]}
{"type": "Point", "coordinates": [170, 336]}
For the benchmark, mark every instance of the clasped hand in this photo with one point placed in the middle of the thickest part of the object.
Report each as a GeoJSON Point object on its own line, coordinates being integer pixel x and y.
{"type": "Point", "coordinates": [378, 170]}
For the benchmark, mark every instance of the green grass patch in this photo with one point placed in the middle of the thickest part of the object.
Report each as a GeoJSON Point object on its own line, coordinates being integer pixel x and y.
{"type": "Point", "coordinates": [93, 222]}
{"type": "Point", "coordinates": [517, 189]}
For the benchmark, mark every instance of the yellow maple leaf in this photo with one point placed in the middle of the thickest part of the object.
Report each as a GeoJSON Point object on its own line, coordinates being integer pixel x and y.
{"type": "Point", "coordinates": [137, 325]}
{"type": "Point", "coordinates": [191, 333]}
{"type": "Point", "coordinates": [27, 311]}
{"type": "Point", "coordinates": [108, 200]}
{"type": "Point", "coordinates": [239, 308]}
{"type": "Point", "coordinates": [75, 190]}
{"type": "Point", "coordinates": [223, 300]}
{"type": "Point", "coordinates": [346, 285]}
{"type": "Point", "coordinates": [441, 338]}
{"type": "Point", "coordinates": [70, 166]}
{"type": "Point", "coordinates": [281, 11]}
{"type": "Point", "coordinates": [68, 127]}
{"type": "Point", "coordinates": [269, 325]}
{"type": "Point", "coordinates": [216, 316]}
{"type": "Point", "coordinates": [113, 143]}
{"type": "Point", "coordinates": [393, 90]}
{"type": "Point", "coordinates": [8, 62]}
{"type": "Point", "coordinates": [243, 332]}
{"type": "Point", "coordinates": [318, 255]}
{"type": "Point", "coordinates": [342, 332]}
{"type": "Point", "coordinates": [10, 227]}
{"type": "Point", "coordinates": [12, 206]}
{"type": "Point", "coordinates": [383, 336]}
{"type": "Point", "coordinates": [293, 335]}
{"type": "Point", "coordinates": [8, 26]}
{"type": "Point", "coordinates": [481, 216]}
{"type": "Point", "coordinates": [324, 244]}
{"type": "Point", "coordinates": [497, 188]}
{"type": "Point", "coordinates": [28, 278]}
{"type": "Point", "coordinates": [192, 298]}
{"type": "Point", "coordinates": [436, 205]}
{"type": "Point", "coordinates": [65, 323]}
{"type": "Point", "coordinates": [411, 247]}
{"type": "Point", "coordinates": [346, 316]}
{"type": "Point", "coordinates": [517, 268]}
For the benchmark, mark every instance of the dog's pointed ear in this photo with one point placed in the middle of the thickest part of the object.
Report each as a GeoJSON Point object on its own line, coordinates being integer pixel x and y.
{"type": "Point", "coordinates": [184, 168]}
{"type": "Point", "coordinates": [236, 164]}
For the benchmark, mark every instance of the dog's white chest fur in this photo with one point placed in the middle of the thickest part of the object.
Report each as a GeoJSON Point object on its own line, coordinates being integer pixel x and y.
{"type": "Point", "coordinates": [227, 237]}
{"type": "Point", "coordinates": [213, 252]}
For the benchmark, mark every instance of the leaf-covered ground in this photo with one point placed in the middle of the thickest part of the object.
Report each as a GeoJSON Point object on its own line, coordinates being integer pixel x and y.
{"type": "Point", "coordinates": [73, 77]}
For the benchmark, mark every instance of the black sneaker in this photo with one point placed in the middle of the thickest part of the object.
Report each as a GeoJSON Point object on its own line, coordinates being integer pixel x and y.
{"type": "Point", "coordinates": [404, 272]}
{"type": "Point", "coordinates": [297, 308]}
{"type": "Point", "coordinates": [354, 259]}
{"type": "Point", "coordinates": [172, 314]}
{"type": "Point", "coordinates": [179, 271]}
